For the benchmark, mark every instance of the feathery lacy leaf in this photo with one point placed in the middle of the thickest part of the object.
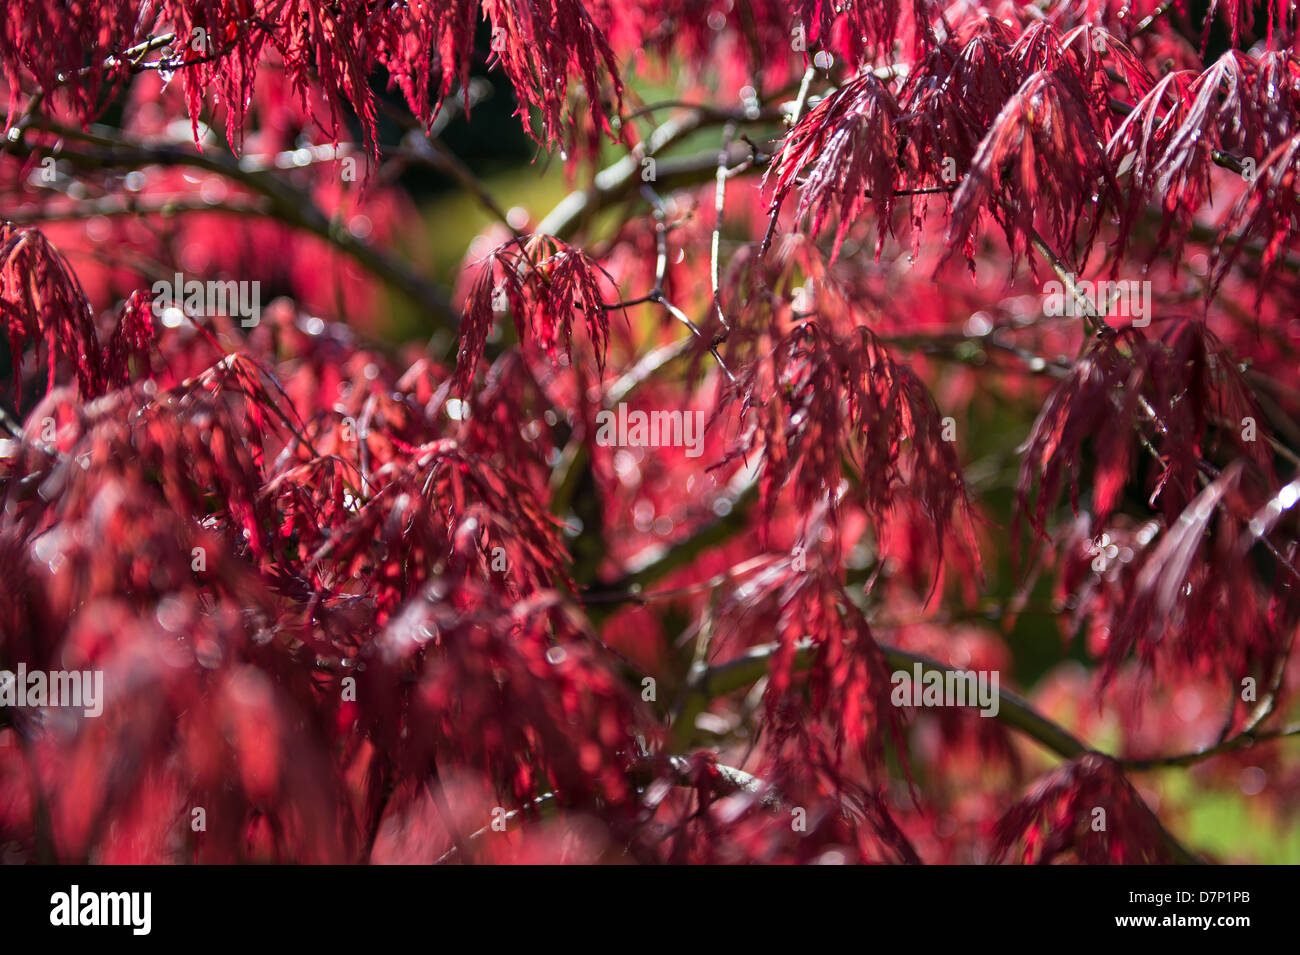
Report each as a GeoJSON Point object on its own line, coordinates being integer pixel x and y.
{"type": "Point", "coordinates": [543, 281]}
{"type": "Point", "coordinates": [841, 420]}
{"type": "Point", "coordinates": [42, 303]}
{"type": "Point", "coordinates": [1040, 160]}
{"type": "Point", "coordinates": [847, 149]}
{"type": "Point", "coordinates": [1060, 816]}
{"type": "Point", "coordinates": [1120, 390]}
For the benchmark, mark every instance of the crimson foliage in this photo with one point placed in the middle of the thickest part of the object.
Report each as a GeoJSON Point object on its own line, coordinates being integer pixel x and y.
{"type": "Point", "coordinates": [364, 603]}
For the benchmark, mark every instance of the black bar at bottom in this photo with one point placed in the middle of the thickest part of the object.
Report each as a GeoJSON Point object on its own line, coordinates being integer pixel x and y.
{"type": "Point", "coordinates": [340, 905]}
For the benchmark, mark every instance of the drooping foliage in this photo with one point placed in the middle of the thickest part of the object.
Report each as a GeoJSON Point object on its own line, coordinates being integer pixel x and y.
{"type": "Point", "coordinates": [867, 342]}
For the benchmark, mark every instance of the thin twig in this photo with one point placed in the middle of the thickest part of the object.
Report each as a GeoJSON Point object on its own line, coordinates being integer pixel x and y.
{"type": "Point", "coordinates": [719, 200]}
{"type": "Point", "coordinates": [284, 203]}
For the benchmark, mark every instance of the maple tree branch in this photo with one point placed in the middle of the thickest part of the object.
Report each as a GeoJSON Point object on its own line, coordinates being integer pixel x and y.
{"type": "Point", "coordinates": [620, 180]}
{"type": "Point", "coordinates": [1150, 20]}
{"type": "Point", "coordinates": [660, 216]}
{"type": "Point", "coordinates": [719, 201]}
{"type": "Point", "coordinates": [132, 58]}
{"type": "Point", "coordinates": [656, 294]}
{"type": "Point", "coordinates": [648, 769]}
{"type": "Point", "coordinates": [1013, 711]}
{"type": "Point", "coordinates": [113, 207]}
{"type": "Point", "coordinates": [284, 203]}
{"type": "Point", "coordinates": [427, 150]}
{"type": "Point", "coordinates": [682, 317]}
{"type": "Point", "coordinates": [1242, 740]}
{"type": "Point", "coordinates": [804, 86]}
{"type": "Point", "coordinates": [922, 190]}
{"type": "Point", "coordinates": [512, 819]}
{"type": "Point", "coordinates": [617, 182]}
{"type": "Point", "coordinates": [1067, 279]}
{"type": "Point", "coordinates": [657, 562]}
{"type": "Point", "coordinates": [644, 369]}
